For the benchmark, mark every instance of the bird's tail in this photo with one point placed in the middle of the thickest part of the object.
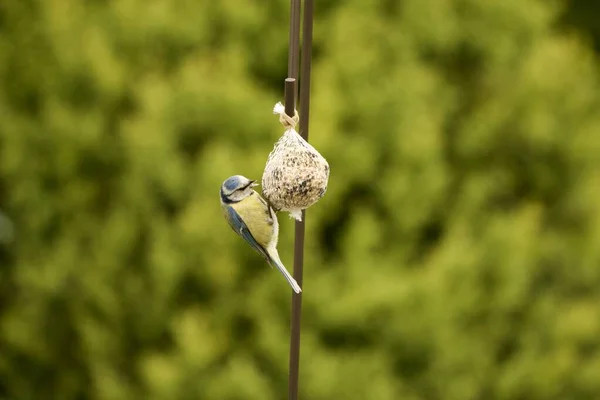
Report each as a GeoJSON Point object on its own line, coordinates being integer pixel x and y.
{"type": "Point", "coordinates": [277, 262]}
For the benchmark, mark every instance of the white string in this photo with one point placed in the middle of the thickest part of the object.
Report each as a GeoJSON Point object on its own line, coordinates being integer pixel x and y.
{"type": "Point", "coordinates": [286, 120]}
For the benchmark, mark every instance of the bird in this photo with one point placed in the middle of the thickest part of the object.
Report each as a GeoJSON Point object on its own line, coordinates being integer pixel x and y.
{"type": "Point", "coordinates": [249, 215]}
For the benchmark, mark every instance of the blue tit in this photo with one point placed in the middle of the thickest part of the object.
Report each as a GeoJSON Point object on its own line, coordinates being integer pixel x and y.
{"type": "Point", "coordinates": [253, 219]}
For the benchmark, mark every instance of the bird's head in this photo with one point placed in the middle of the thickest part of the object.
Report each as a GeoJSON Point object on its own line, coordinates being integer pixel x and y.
{"type": "Point", "coordinates": [236, 188]}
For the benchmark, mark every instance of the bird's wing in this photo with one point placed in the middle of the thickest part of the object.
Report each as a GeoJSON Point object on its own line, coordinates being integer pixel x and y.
{"type": "Point", "coordinates": [240, 227]}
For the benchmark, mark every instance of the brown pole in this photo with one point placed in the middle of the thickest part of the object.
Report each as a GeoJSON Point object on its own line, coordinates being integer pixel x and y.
{"type": "Point", "coordinates": [290, 105]}
{"type": "Point", "coordinates": [305, 71]}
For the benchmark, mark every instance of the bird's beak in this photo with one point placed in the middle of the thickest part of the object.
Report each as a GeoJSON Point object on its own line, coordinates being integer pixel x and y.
{"type": "Point", "coordinates": [253, 184]}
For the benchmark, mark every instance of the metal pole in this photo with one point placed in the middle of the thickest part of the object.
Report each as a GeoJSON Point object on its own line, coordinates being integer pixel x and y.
{"type": "Point", "coordinates": [305, 71]}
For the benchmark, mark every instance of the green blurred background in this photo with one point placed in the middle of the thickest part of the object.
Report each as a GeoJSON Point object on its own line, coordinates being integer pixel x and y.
{"type": "Point", "coordinates": [455, 255]}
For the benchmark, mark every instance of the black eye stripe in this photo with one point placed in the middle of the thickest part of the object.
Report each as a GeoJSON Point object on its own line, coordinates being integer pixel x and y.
{"type": "Point", "coordinates": [246, 187]}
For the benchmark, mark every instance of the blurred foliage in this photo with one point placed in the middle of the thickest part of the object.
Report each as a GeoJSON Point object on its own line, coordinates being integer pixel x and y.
{"type": "Point", "coordinates": [455, 255]}
{"type": "Point", "coordinates": [584, 17]}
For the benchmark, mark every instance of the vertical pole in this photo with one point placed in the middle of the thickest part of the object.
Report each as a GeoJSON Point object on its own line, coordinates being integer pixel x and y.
{"type": "Point", "coordinates": [294, 46]}
{"type": "Point", "coordinates": [290, 96]}
{"type": "Point", "coordinates": [290, 105]}
{"type": "Point", "coordinates": [299, 229]}
{"type": "Point", "coordinates": [305, 68]}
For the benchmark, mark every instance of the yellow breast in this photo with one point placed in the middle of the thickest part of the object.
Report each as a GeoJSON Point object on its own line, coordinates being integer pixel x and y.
{"type": "Point", "coordinates": [255, 214]}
